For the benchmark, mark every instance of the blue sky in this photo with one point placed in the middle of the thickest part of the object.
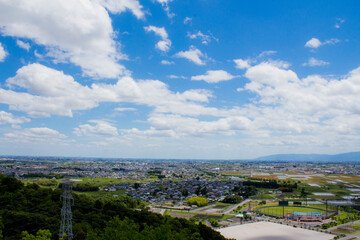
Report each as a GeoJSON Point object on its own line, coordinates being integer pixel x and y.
{"type": "Point", "coordinates": [179, 79]}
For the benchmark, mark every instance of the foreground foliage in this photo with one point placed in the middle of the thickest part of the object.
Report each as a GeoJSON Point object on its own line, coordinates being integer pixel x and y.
{"type": "Point", "coordinates": [31, 208]}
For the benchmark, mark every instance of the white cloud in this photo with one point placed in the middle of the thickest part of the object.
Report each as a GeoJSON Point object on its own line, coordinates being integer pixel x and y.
{"type": "Point", "coordinates": [75, 31]}
{"type": "Point", "coordinates": [205, 39]}
{"type": "Point", "coordinates": [331, 41]}
{"type": "Point", "coordinates": [43, 134]}
{"type": "Point", "coordinates": [315, 43]}
{"type": "Point", "coordinates": [165, 5]}
{"type": "Point", "coordinates": [51, 92]}
{"type": "Point", "coordinates": [172, 76]}
{"type": "Point", "coordinates": [284, 105]}
{"type": "Point", "coordinates": [166, 62]}
{"type": "Point", "coordinates": [152, 132]}
{"type": "Point", "coordinates": [339, 22]}
{"type": "Point", "coordinates": [187, 20]}
{"type": "Point", "coordinates": [214, 76]}
{"type": "Point", "coordinates": [163, 45]}
{"type": "Point", "coordinates": [193, 54]}
{"type": "Point", "coordinates": [301, 104]}
{"type": "Point", "coordinates": [8, 118]}
{"type": "Point", "coordinates": [245, 64]}
{"type": "Point", "coordinates": [180, 126]}
{"type": "Point", "coordinates": [313, 62]}
{"type": "Point", "coordinates": [23, 45]}
{"type": "Point", "coordinates": [266, 53]}
{"type": "Point", "coordinates": [3, 53]}
{"type": "Point", "coordinates": [115, 6]}
{"type": "Point", "coordinates": [279, 63]}
{"type": "Point", "coordinates": [121, 109]}
{"type": "Point", "coordinates": [99, 128]}
{"type": "Point", "coordinates": [242, 64]}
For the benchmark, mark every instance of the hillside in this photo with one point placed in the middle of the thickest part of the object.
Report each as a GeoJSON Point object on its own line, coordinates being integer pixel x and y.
{"type": "Point", "coordinates": [31, 208]}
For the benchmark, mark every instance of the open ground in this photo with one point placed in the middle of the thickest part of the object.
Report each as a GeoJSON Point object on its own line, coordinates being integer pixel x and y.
{"type": "Point", "coordinates": [271, 231]}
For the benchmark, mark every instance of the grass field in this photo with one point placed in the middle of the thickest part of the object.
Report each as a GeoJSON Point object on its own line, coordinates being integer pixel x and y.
{"type": "Point", "coordinates": [278, 210]}
{"type": "Point", "coordinates": [263, 196]}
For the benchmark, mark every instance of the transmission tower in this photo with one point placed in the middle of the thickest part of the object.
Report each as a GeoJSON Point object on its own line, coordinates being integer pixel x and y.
{"type": "Point", "coordinates": [66, 215]}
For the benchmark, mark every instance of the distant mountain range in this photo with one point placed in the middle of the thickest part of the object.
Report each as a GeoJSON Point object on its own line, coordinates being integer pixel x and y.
{"type": "Point", "coordinates": [351, 156]}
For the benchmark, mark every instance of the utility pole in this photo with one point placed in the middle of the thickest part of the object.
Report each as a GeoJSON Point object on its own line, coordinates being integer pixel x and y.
{"type": "Point", "coordinates": [326, 211]}
{"type": "Point", "coordinates": [66, 215]}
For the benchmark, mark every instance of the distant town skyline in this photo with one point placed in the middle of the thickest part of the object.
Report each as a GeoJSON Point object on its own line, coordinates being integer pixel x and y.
{"type": "Point", "coordinates": [179, 79]}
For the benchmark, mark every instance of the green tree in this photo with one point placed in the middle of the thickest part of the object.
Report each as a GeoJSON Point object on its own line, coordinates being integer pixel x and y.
{"type": "Point", "coordinates": [1, 228]}
{"type": "Point", "coordinates": [199, 201]}
{"type": "Point", "coordinates": [40, 235]}
{"type": "Point", "coordinates": [213, 222]}
{"type": "Point", "coordinates": [184, 192]}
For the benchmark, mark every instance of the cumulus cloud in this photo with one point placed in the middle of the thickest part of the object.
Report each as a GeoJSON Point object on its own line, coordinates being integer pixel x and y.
{"type": "Point", "coordinates": [121, 109]}
{"type": "Point", "coordinates": [300, 105]}
{"type": "Point", "coordinates": [214, 76]}
{"type": "Point", "coordinates": [163, 45]}
{"type": "Point", "coordinates": [99, 127]}
{"type": "Point", "coordinates": [43, 134]}
{"type": "Point", "coordinates": [51, 92]}
{"type": "Point", "coordinates": [166, 62]}
{"type": "Point", "coordinates": [205, 39]}
{"type": "Point", "coordinates": [313, 62]}
{"type": "Point", "coordinates": [3, 53]}
{"type": "Point", "coordinates": [165, 5]}
{"type": "Point", "coordinates": [75, 31]}
{"type": "Point", "coordinates": [315, 43]}
{"type": "Point", "coordinates": [262, 57]}
{"type": "Point", "coordinates": [187, 20]}
{"type": "Point", "coordinates": [193, 54]}
{"type": "Point", "coordinates": [115, 6]}
{"type": "Point", "coordinates": [283, 104]}
{"type": "Point", "coordinates": [241, 63]}
{"type": "Point", "coordinates": [9, 118]}
{"type": "Point", "coordinates": [23, 45]}
{"type": "Point", "coordinates": [179, 126]}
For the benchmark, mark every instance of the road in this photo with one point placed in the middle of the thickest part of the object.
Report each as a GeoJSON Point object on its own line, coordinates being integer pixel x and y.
{"type": "Point", "coordinates": [348, 236]}
{"type": "Point", "coordinates": [230, 210]}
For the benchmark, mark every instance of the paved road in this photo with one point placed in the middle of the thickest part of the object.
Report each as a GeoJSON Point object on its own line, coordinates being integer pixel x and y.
{"type": "Point", "coordinates": [229, 211]}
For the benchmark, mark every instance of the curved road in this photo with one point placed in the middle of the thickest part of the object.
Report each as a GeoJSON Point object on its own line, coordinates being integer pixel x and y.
{"type": "Point", "coordinates": [229, 211]}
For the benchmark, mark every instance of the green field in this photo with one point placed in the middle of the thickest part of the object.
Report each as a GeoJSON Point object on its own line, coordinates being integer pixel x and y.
{"type": "Point", "coordinates": [278, 211]}
{"type": "Point", "coordinates": [263, 196]}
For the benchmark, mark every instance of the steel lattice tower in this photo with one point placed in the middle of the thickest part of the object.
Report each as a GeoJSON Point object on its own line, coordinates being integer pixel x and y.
{"type": "Point", "coordinates": [66, 214]}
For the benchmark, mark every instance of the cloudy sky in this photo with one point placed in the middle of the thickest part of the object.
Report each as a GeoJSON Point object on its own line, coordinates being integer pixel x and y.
{"type": "Point", "coordinates": [179, 79]}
